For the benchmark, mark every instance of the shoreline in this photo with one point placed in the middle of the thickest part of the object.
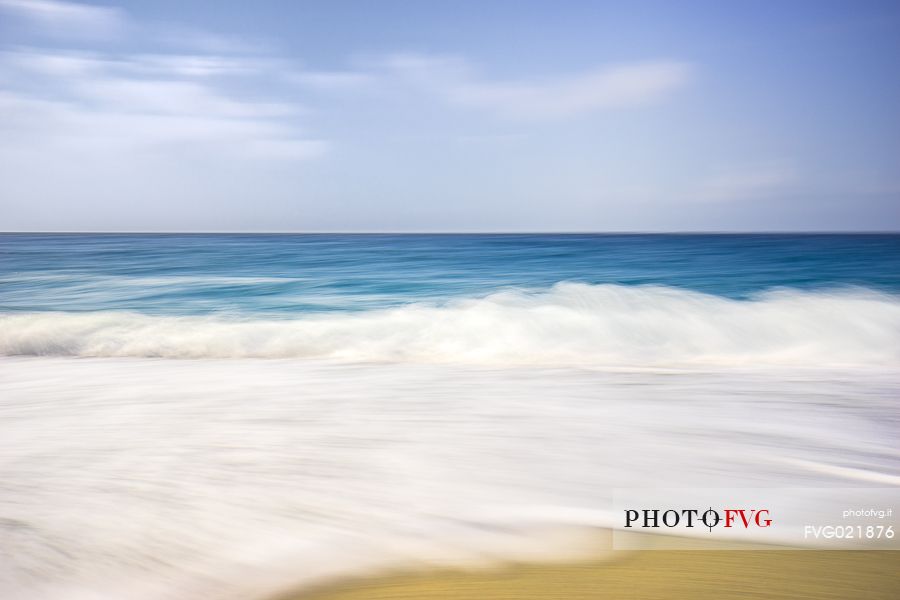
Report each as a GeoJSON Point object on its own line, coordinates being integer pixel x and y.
{"type": "Point", "coordinates": [641, 575]}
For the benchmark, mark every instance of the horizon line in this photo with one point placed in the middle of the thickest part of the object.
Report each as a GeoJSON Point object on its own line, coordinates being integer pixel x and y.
{"type": "Point", "coordinates": [464, 232]}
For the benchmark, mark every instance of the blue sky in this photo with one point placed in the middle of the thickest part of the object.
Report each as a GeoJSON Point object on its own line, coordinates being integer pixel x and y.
{"type": "Point", "coordinates": [449, 116]}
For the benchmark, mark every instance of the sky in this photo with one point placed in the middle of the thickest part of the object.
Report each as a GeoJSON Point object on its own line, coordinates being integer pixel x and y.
{"type": "Point", "coordinates": [491, 115]}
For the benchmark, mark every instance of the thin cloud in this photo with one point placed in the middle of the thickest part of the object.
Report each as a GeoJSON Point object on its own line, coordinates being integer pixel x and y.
{"type": "Point", "coordinates": [129, 102]}
{"type": "Point", "coordinates": [200, 65]}
{"type": "Point", "coordinates": [68, 19]}
{"type": "Point", "coordinates": [203, 97]}
{"type": "Point", "coordinates": [202, 41]}
{"type": "Point", "coordinates": [188, 66]}
{"type": "Point", "coordinates": [40, 126]}
{"type": "Point", "coordinates": [159, 96]}
{"type": "Point", "coordinates": [331, 80]}
{"type": "Point", "coordinates": [609, 87]}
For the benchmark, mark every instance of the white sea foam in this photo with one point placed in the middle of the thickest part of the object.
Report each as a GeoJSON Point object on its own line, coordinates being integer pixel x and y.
{"type": "Point", "coordinates": [570, 324]}
{"type": "Point", "coordinates": [226, 479]}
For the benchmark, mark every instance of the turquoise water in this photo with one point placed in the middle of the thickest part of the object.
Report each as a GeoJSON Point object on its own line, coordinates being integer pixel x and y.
{"type": "Point", "coordinates": [288, 275]}
{"type": "Point", "coordinates": [553, 300]}
{"type": "Point", "coordinates": [230, 416]}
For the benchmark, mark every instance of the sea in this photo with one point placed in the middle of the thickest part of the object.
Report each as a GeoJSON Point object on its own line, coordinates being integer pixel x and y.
{"type": "Point", "coordinates": [226, 416]}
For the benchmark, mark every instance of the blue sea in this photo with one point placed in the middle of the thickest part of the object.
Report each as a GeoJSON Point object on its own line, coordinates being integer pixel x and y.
{"type": "Point", "coordinates": [228, 416]}
{"type": "Point", "coordinates": [544, 299]}
{"type": "Point", "coordinates": [291, 276]}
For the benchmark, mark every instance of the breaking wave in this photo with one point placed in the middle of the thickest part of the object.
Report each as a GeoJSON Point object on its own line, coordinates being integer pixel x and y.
{"type": "Point", "coordinates": [569, 324]}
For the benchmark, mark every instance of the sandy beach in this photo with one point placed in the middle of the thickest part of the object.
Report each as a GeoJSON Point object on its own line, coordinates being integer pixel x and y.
{"type": "Point", "coordinates": [648, 575]}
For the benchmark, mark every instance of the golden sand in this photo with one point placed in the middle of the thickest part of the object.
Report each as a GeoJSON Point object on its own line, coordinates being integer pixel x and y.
{"type": "Point", "coordinates": [649, 575]}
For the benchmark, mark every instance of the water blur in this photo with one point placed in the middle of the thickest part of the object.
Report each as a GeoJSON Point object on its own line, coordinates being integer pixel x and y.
{"type": "Point", "coordinates": [226, 416]}
{"type": "Point", "coordinates": [290, 274]}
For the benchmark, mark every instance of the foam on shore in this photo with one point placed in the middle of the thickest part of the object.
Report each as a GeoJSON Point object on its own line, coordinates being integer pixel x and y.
{"type": "Point", "coordinates": [569, 325]}
{"type": "Point", "coordinates": [223, 478]}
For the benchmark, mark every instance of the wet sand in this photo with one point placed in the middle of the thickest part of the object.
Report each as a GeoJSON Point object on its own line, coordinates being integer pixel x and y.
{"type": "Point", "coordinates": [647, 575]}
